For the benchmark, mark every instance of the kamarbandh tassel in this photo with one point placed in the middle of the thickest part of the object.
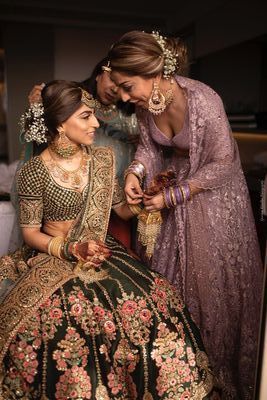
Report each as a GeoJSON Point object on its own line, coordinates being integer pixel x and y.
{"type": "Point", "coordinates": [148, 228]}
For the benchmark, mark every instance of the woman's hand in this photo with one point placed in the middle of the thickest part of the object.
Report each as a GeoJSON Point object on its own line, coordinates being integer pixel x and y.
{"type": "Point", "coordinates": [133, 191]}
{"type": "Point", "coordinates": [35, 94]}
{"type": "Point", "coordinates": [153, 203]}
{"type": "Point", "coordinates": [91, 251]}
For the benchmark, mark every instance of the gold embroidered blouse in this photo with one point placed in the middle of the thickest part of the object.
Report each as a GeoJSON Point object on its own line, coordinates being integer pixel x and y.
{"type": "Point", "coordinates": [41, 199]}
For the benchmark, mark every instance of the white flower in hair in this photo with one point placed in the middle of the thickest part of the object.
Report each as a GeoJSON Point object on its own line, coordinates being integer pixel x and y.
{"type": "Point", "coordinates": [32, 125]}
{"type": "Point", "coordinates": [170, 58]}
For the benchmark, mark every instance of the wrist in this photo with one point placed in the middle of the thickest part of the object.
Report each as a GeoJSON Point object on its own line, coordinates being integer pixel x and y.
{"type": "Point", "coordinates": [67, 250]}
{"type": "Point", "coordinates": [136, 168]}
{"type": "Point", "coordinates": [54, 247]}
{"type": "Point", "coordinates": [135, 208]}
{"type": "Point", "coordinates": [176, 195]}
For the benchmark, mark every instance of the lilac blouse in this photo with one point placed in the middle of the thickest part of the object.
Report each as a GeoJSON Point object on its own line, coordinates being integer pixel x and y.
{"type": "Point", "coordinates": [179, 140]}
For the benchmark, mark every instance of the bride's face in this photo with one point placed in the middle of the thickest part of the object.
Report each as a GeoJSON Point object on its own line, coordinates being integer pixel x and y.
{"type": "Point", "coordinates": [80, 127]}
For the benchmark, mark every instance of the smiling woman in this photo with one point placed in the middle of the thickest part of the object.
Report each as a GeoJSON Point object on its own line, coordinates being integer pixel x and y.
{"type": "Point", "coordinates": [198, 231]}
{"type": "Point", "coordinates": [81, 318]}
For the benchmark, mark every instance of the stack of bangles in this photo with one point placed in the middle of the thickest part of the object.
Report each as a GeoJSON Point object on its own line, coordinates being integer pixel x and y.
{"type": "Point", "coordinates": [59, 248]}
{"type": "Point", "coordinates": [137, 169]}
{"type": "Point", "coordinates": [175, 195]}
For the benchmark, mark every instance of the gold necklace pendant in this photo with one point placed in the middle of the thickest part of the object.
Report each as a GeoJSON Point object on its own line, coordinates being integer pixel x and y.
{"type": "Point", "coordinates": [72, 177]}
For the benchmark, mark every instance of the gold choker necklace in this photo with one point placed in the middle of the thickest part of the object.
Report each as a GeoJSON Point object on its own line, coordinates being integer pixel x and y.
{"type": "Point", "coordinates": [64, 151]}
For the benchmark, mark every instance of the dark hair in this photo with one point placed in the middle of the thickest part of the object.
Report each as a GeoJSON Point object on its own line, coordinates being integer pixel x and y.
{"type": "Point", "coordinates": [90, 85]}
{"type": "Point", "coordinates": [139, 53]}
{"type": "Point", "coordinates": [61, 99]}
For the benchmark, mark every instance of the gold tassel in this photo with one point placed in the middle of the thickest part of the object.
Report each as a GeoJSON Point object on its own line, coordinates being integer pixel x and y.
{"type": "Point", "coordinates": [147, 396]}
{"type": "Point", "coordinates": [101, 393]}
{"type": "Point", "coordinates": [148, 227]}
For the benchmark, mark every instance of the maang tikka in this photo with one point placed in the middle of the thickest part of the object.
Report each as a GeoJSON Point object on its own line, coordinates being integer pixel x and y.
{"type": "Point", "coordinates": [158, 102]}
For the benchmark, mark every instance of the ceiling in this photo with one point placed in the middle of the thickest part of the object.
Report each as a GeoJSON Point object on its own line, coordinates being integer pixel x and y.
{"type": "Point", "coordinates": [139, 14]}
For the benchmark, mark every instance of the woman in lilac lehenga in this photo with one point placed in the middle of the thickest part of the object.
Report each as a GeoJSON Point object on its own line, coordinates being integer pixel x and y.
{"type": "Point", "coordinates": [207, 244]}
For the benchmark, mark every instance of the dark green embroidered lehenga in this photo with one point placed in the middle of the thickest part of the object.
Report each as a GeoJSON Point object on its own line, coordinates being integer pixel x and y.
{"type": "Point", "coordinates": [117, 332]}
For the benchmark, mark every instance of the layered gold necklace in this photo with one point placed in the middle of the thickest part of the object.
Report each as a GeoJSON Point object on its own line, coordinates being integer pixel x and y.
{"type": "Point", "coordinates": [74, 178]}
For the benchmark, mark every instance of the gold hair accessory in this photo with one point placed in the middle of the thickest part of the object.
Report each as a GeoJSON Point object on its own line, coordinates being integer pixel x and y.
{"type": "Point", "coordinates": [107, 67]}
{"type": "Point", "coordinates": [87, 99]}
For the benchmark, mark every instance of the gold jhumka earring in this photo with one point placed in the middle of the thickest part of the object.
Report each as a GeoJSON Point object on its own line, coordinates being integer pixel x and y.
{"type": "Point", "coordinates": [157, 102]}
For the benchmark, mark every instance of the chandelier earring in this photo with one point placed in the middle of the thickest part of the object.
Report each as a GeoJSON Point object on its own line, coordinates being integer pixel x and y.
{"type": "Point", "coordinates": [63, 147]}
{"type": "Point", "coordinates": [157, 100]}
{"type": "Point", "coordinates": [63, 141]}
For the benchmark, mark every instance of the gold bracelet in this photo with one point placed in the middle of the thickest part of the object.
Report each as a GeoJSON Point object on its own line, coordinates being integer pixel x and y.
{"type": "Point", "coordinates": [135, 209]}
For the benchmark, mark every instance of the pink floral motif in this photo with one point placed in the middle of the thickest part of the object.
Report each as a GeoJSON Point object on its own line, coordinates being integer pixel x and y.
{"type": "Point", "coordinates": [99, 312]}
{"type": "Point", "coordinates": [51, 316]}
{"type": "Point", "coordinates": [120, 380]}
{"type": "Point", "coordinates": [165, 297]}
{"type": "Point", "coordinates": [171, 355]}
{"type": "Point", "coordinates": [73, 351]}
{"type": "Point", "coordinates": [74, 384]}
{"type": "Point", "coordinates": [23, 352]}
{"type": "Point", "coordinates": [136, 318]}
{"type": "Point", "coordinates": [76, 309]}
{"type": "Point", "coordinates": [109, 327]}
{"type": "Point", "coordinates": [129, 307]}
{"type": "Point", "coordinates": [92, 316]}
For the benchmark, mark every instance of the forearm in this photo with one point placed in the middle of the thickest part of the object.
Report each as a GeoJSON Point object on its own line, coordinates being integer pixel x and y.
{"type": "Point", "coordinates": [124, 212]}
{"type": "Point", "coordinates": [36, 239]}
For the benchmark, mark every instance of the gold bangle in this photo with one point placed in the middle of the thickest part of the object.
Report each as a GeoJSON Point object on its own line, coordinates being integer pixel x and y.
{"type": "Point", "coordinates": [54, 247]}
{"type": "Point", "coordinates": [135, 209]}
{"type": "Point", "coordinates": [173, 199]}
{"type": "Point", "coordinates": [183, 193]}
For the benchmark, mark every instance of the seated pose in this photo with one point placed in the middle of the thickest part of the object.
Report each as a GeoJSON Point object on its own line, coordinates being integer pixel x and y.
{"type": "Point", "coordinates": [81, 318]}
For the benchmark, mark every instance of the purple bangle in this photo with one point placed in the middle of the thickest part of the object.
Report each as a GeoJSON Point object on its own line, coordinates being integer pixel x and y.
{"type": "Point", "coordinates": [178, 195]}
{"type": "Point", "coordinates": [168, 197]}
{"type": "Point", "coordinates": [186, 188]}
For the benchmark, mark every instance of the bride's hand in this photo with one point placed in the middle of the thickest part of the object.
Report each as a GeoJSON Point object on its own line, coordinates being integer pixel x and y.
{"type": "Point", "coordinates": [94, 251]}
